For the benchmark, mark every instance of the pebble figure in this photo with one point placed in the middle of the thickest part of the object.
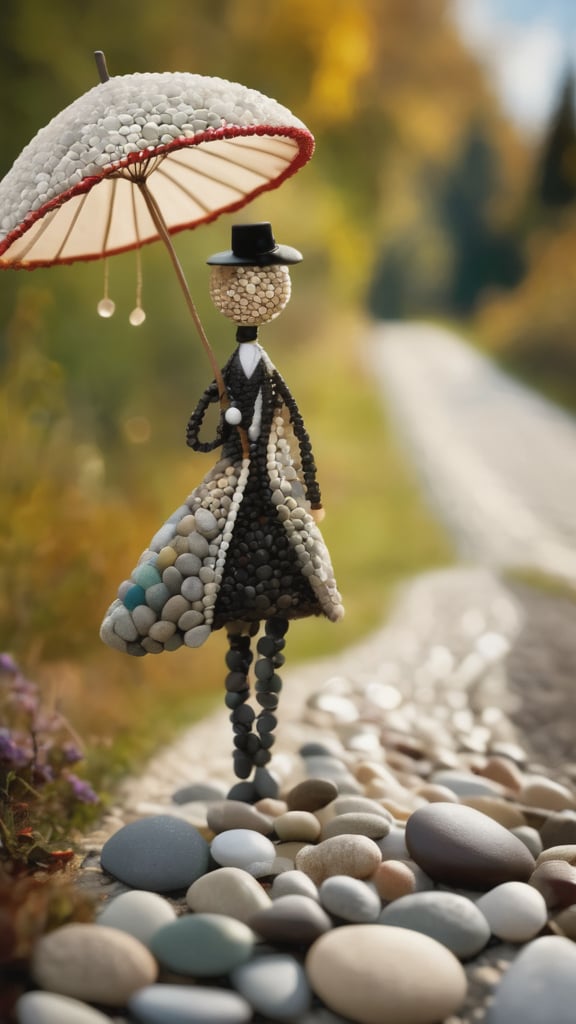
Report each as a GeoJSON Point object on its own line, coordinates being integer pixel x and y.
{"type": "Point", "coordinates": [245, 548]}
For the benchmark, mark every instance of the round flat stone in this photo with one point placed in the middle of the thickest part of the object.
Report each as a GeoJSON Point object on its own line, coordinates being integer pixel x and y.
{"type": "Point", "coordinates": [203, 945]}
{"type": "Point", "coordinates": [172, 1004]}
{"type": "Point", "coordinates": [394, 878]}
{"type": "Point", "coordinates": [540, 985]}
{"type": "Point", "coordinates": [350, 899]}
{"type": "Point", "coordinates": [243, 848]}
{"type": "Point", "coordinates": [452, 920]}
{"type": "Point", "coordinates": [515, 911]}
{"type": "Point", "coordinates": [230, 891]}
{"type": "Point", "coordinates": [160, 854]}
{"type": "Point", "coordinates": [92, 963]}
{"type": "Point", "coordinates": [139, 913]}
{"type": "Point", "coordinates": [538, 791]}
{"type": "Point", "coordinates": [293, 920]}
{"type": "Point", "coordinates": [356, 856]}
{"type": "Point", "coordinates": [311, 795]}
{"type": "Point", "coordinates": [50, 1008]}
{"type": "Point", "coordinates": [203, 791]}
{"type": "Point", "coordinates": [465, 783]}
{"type": "Point", "coordinates": [275, 986]}
{"type": "Point", "coordinates": [370, 973]}
{"type": "Point", "coordinates": [206, 523]}
{"type": "Point", "coordinates": [462, 847]}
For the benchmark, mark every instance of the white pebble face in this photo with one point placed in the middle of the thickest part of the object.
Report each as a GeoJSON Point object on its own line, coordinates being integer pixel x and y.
{"type": "Point", "coordinates": [250, 295]}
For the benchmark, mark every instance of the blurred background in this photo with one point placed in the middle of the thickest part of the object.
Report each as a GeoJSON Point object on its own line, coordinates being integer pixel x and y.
{"type": "Point", "coordinates": [443, 187]}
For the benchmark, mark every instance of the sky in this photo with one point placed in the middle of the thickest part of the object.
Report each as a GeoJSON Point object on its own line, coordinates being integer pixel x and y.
{"type": "Point", "coordinates": [526, 46]}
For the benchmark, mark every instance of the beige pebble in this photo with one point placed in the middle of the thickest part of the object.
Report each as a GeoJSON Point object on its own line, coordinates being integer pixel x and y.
{"type": "Point", "coordinates": [268, 805]}
{"type": "Point", "coordinates": [297, 825]}
{"type": "Point", "coordinates": [360, 823]}
{"type": "Point", "coordinates": [356, 856]}
{"type": "Point", "coordinates": [394, 878]}
{"type": "Point", "coordinates": [92, 962]}
{"type": "Point", "coordinates": [503, 770]}
{"type": "Point", "coordinates": [564, 923]}
{"type": "Point", "coordinates": [370, 973]}
{"type": "Point", "coordinates": [223, 815]}
{"type": "Point", "coordinates": [230, 891]}
{"type": "Point", "coordinates": [434, 793]}
{"type": "Point", "coordinates": [348, 804]}
{"type": "Point", "coordinates": [540, 791]}
{"type": "Point", "coordinates": [290, 850]}
{"type": "Point", "coordinates": [567, 853]}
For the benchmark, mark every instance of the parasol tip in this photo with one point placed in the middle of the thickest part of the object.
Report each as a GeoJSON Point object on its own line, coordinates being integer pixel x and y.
{"type": "Point", "coordinates": [100, 58]}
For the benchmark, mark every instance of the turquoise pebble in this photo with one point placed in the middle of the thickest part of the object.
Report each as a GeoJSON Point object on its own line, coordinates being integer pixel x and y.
{"type": "Point", "coordinates": [203, 945]}
{"type": "Point", "coordinates": [133, 597]}
{"type": "Point", "coordinates": [156, 596]}
{"type": "Point", "coordinates": [146, 575]}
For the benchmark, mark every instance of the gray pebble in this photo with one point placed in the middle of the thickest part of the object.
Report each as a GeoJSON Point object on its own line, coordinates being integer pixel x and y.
{"type": "Point", "coordinates": [350, 899]}
{"type": "Point", "coordinates": [451, 919]}
{"type": "Point", "coordinates": [539, 986]}
{"type": "Point", "coordinates": [171, 1004]}
{"type": "Point", "coordinates": [276, 986]}
{"type": "Point", "coordinates": [159, 854]}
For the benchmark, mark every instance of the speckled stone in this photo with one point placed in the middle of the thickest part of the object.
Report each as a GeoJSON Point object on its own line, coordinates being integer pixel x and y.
{"type": "Point", "coordinates": [422, 984]}
{"type": "Point", "coordinates": [293, 920]}
{"type": "Point", "coordinates": [539, 986]}
{"type": "Point", "coordinates": [203, 945]}
{"type": "Point", "coordinates": [451, 919]}
{"type": "Point", "coordinates": [462, 847]}
{"type": "Point", "coordinates": [160, 854]}
{"type": "Point", "coordinates": [92, 963]}
{"type": "Point", "coordinates": [230, 891]}
{"type": "Point", "coordinates": [275, 986]}
{"type": "Point", "coordinates": [171, 1004]}
{"type": "Point", "coordinates": [356, 856]}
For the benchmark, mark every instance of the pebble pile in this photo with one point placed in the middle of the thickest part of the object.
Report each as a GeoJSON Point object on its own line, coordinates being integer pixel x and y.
{"type": "Point", "coordinates": [403, 871]}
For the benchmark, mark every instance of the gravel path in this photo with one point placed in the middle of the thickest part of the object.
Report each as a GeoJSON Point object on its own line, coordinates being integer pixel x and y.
{"type": "Point", "coordinates": [498, 461]}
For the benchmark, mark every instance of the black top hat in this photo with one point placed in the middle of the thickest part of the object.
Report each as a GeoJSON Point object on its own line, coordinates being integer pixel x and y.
{"type": "Point", "coordinates": [253, 245]}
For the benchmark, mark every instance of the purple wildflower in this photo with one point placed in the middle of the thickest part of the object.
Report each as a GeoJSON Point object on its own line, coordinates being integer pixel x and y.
{"type": "Point", "coordinates": [10, 753]}
{"type": "Point", "coordinates": [82, 790]}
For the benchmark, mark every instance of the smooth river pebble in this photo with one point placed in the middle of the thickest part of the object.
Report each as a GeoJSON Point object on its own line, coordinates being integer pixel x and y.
{"type": "Point", "coordinates": [350, 899]}
{"type": "Point", "coordinates": [49, 1008]}
{"type": "Point", "coordinates": [275, 986]}
{"type": "Point", "coordinates": [229, 891]}
{"type": "Point", "coordinates": [462, 847]}
{"type": "Point", "coordinates": [356, 856]}
{"type": "Point", "coordinates": [160, 854]}
{"type": "Point", "coordinates": [138, 912]}
{"type": "Point", "coordinates": [93, 963]}
{"type": "Point", "coordinates": [451, 919]}
{"type": "Point", "coordinates": [371, 973]}
{"type": "Point", "coordinates": [243, 848]}
{"type": "Point", "coordinates": [203, 945]}
{"type": "Point", "coordinates": [515, 911]}
{"type": "Point", "coordinates": [181, 1004]}
{"type": "Point", "coordinates": [540, 986]}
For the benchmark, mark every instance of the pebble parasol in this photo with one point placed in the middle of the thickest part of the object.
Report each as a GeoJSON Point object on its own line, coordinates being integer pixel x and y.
{"type": "Point", "coordinates": [140, 157]}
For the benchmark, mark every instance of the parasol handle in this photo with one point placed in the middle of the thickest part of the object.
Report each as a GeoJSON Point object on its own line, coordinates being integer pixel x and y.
{"type": "Point", "coordinates": [160, 226]}
{"type": "Point", "coordinates": [100, 58]}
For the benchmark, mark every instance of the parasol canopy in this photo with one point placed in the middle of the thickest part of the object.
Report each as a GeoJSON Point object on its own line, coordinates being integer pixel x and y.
{"type": "Point", "coordinates": [198, 146]}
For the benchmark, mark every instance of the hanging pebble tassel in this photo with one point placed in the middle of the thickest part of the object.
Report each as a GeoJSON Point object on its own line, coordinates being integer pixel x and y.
{"type": "Point", "coordinates": [244, 549]}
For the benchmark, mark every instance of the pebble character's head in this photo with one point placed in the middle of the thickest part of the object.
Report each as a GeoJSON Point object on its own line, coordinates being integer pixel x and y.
{"type": "Point", "coordinates": [250, 283]}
